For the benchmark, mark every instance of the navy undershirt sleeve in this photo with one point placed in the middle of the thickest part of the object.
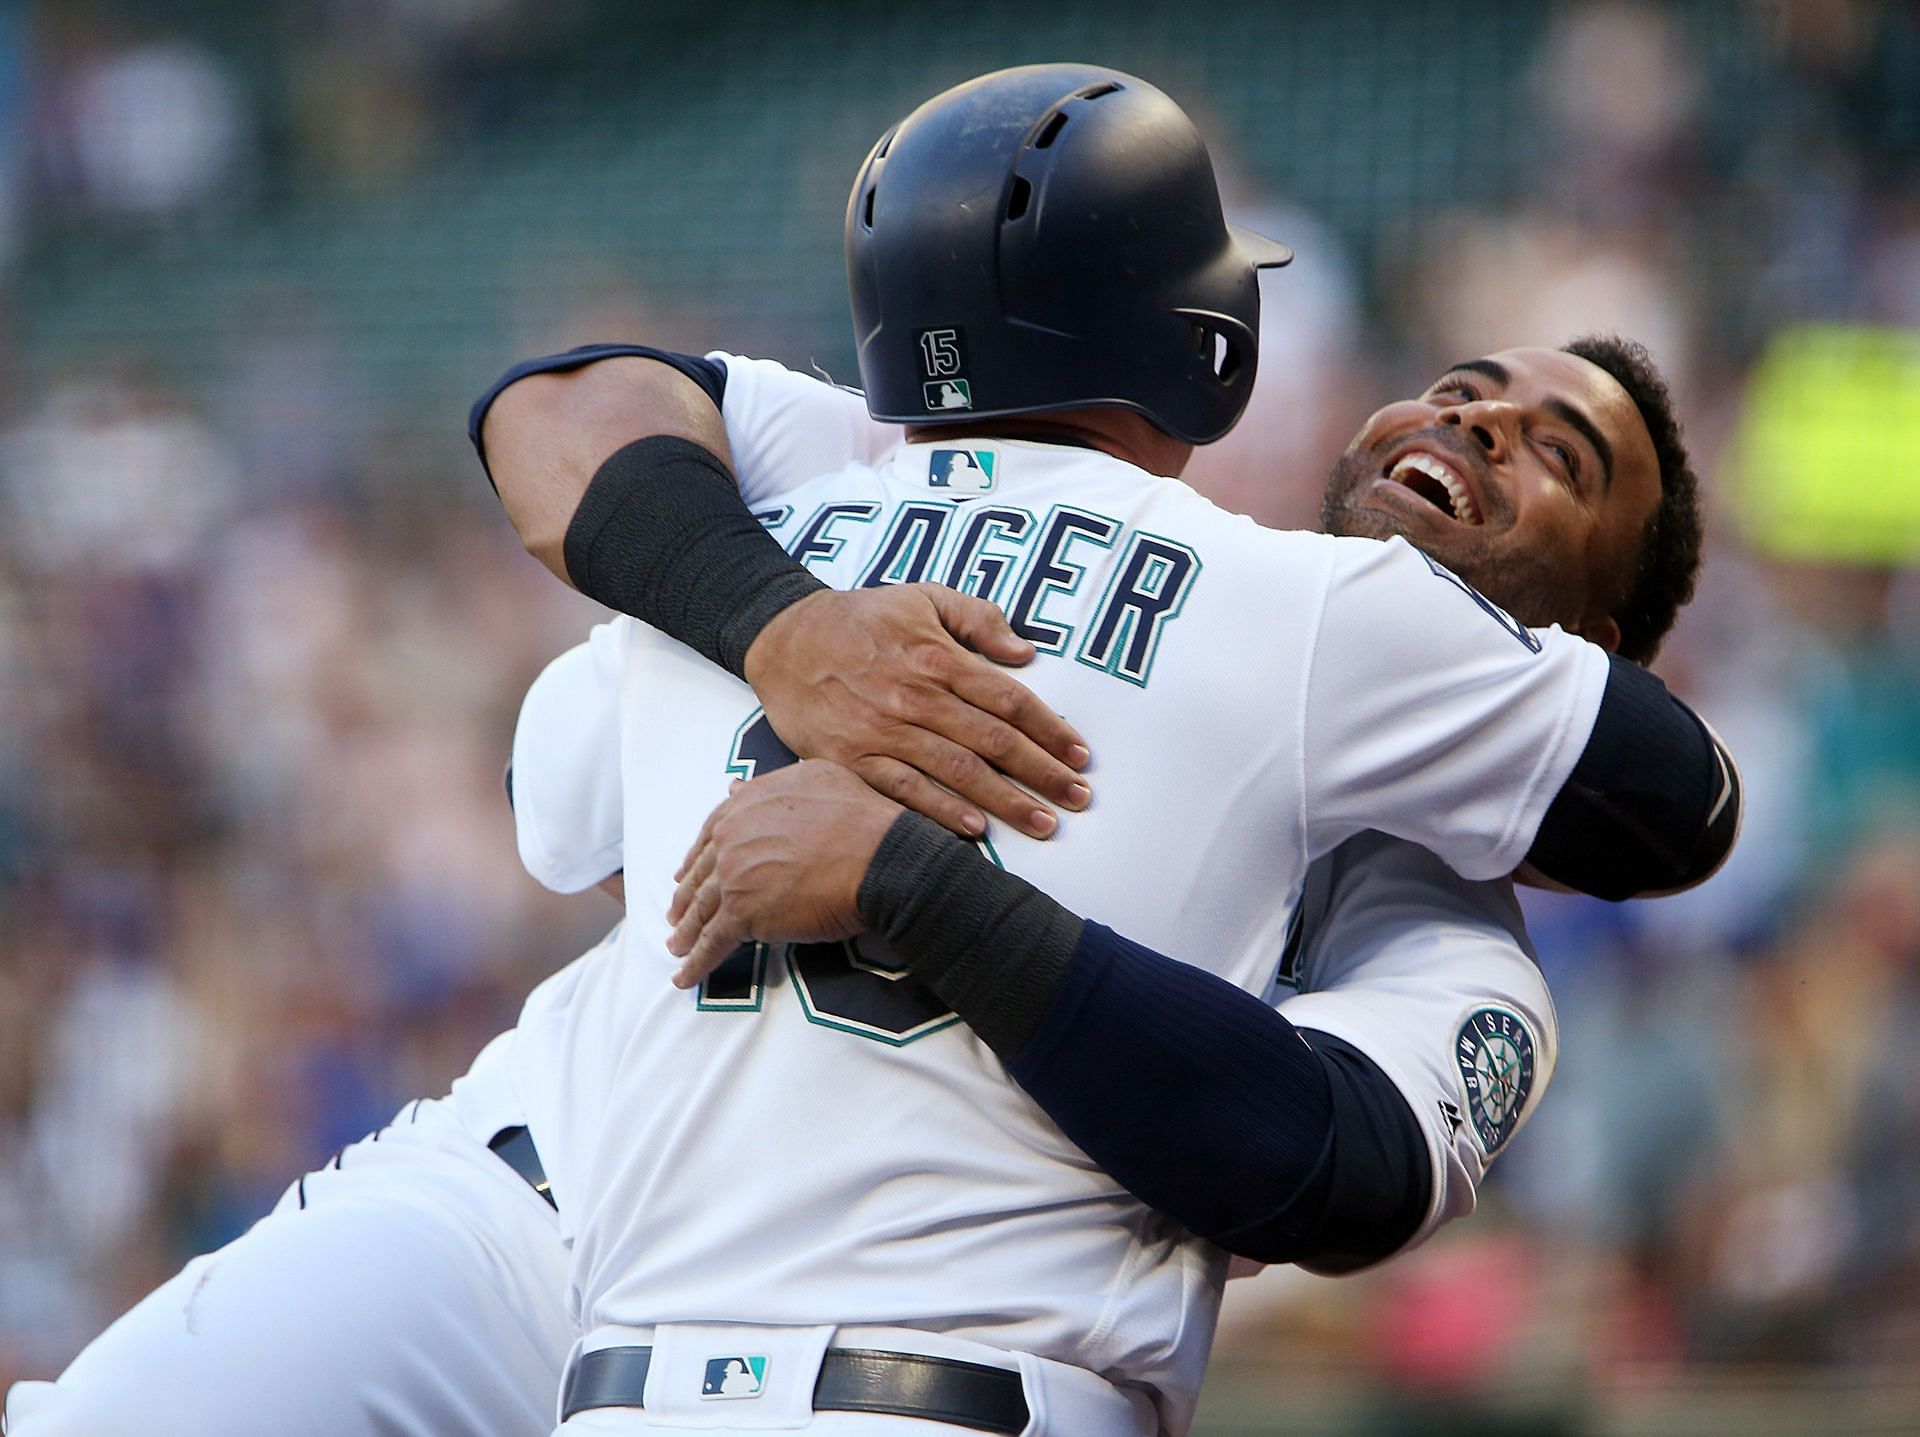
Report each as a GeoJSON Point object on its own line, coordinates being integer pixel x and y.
{"type": "Point", "coordinates": [709, 374]}
{"type": "Point", "coordinates": [1380, 1182]}
{"type": "Point", "coordinates": [1653, 803]}
{"type": "Point", "coordinates": [1280, 1144]}
{"type": "Point", "coordinates": [1211, 1107]}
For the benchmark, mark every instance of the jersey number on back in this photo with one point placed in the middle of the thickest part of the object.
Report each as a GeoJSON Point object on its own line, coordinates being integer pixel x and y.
{"type": "Point", "coordinates": [855, 985]}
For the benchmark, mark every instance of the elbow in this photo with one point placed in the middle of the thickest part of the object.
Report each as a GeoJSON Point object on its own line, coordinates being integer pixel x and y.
{"type": "Point", "coordinates": [1653, 806]}
{"type": "Point", "coordinates": [1718, 830]}
{"type": "Point", "coordinates": [548, 544]}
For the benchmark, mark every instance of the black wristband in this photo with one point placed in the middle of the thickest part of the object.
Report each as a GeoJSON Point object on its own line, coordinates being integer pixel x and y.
{"type": "Point", "coordinates": [993, 947]}
{"type": "Point", "coordinates": [663, 534]}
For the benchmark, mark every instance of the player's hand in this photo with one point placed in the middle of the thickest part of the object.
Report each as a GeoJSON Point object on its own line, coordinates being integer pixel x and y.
{"type": "Point", "coordinates": [882, 682]}
{"type": "Point", "coordinates": [781, 860]}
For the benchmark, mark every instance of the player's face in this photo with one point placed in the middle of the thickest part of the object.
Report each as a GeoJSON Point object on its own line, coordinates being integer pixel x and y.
{"type": "Point", "coordinates": [1528, 473]}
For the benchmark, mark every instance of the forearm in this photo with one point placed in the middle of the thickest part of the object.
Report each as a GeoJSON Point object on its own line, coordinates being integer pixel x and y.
{"type": "Point", "coordinates": [1195, 1095]}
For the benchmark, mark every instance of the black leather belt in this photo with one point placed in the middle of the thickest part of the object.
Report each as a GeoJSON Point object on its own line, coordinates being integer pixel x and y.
{"type": "Point", "coordinates": [516, 1150]}
{"type": "Point", "coordinates": [852, 1379]}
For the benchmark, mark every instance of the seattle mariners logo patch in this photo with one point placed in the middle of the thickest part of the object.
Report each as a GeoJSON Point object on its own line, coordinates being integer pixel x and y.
{"type": "Point", "coordinates": [1495, 1054]}
{"type": "Point", "coordinates": [740, 1375]}
{"type": "Point", "coordinates": [962, 471]}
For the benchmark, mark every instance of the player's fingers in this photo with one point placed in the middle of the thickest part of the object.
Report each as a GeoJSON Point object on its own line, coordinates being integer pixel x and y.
{"type": "Point", "coordinates": [961, 769]}
{"type": "Point", "coordinates": [910, 788]}
{"type": "Point", "coordinates": [978, 624]}
{"type": "Point", "coordinates": [1006, 698]}
{"type": "Point", "coordinates": [695, 874]}
{"type": "Point", "coordinates": [1006, 749]}
{"type": "Point", "coordinates": [694, 917]}
{"type": "Point", "coordinates": [700, 841]}
{"type": "Point", "coordinates": [954, 770]}
{"type": "Point", "coordinates": [717, 940]}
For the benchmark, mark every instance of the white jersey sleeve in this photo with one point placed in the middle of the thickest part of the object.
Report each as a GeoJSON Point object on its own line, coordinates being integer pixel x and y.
{"type": "Point", "coordinates": [1432, 976]}
{"type": "Point", "coordinates": [565, 777]}
{"type": "Point", "coordinates": [1432, 715]}
{"type": "Point", "coordinates": [785, 428]}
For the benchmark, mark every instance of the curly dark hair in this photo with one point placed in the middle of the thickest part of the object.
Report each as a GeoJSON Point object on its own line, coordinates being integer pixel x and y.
{"type": "Point", "coordinates": [1669, 560]}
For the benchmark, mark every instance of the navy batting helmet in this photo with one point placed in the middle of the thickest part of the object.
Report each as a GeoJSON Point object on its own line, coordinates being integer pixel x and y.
{"type": "Point", "coordinates": [1050, 237]}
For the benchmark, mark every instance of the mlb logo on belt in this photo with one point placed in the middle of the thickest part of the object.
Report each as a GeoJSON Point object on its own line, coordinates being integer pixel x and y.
{"type": "Point", "coordinates": [735, 1375]}
{"type": "Point", "coordinates": [962, 471]}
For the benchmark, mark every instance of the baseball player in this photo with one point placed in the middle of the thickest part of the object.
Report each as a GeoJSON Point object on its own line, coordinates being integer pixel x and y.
{"type": "Point", "coordinates": [1264, 701]}
{"type": "Point", "coordinates": [415, 1283]}
{"type": "Point", "coordinates": [464, 1376]}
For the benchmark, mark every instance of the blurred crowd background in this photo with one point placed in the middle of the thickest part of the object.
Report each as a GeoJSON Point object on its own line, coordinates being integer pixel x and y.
{"type": "Point", "coordinates": [263, 630]}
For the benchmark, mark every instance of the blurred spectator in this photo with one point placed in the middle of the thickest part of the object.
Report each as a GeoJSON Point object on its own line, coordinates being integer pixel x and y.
{"type": "Point", "coordinates": [1484, 282]}
{"type": "Point", "coordinates": [297, 408]}
{"type": "Point", "coordinates": [145, 128]}
{"type": "Point", "coordinates": [1618, 81]}
{"type": "Point", "coordinates": [111, 472]}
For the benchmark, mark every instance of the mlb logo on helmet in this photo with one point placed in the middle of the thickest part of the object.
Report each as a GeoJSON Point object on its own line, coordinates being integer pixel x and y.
{"type": "Point", "coordinates": [962, 471]}
{"type": "Point", "coordinates": [949, 394]}
{"type": "Point", "coordinates": [735, 1375]}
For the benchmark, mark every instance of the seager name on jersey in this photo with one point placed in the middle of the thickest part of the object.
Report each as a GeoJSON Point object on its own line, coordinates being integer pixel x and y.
{"type": "Point", "coordinates": [1029, 563]}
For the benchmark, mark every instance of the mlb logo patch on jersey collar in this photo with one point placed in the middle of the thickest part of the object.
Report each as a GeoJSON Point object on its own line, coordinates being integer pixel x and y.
{"type": "Point", "coordinates": [739, 1374]}
{"type": "Point", "coordinates": [962, 471]}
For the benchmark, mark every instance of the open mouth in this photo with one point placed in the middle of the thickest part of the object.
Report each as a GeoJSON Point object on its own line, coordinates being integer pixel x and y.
{"type": "Point", "coordinates": [1436, 483]}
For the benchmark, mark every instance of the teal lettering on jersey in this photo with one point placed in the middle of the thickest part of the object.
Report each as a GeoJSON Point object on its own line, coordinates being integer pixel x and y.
{"type": "Point", "coordinates": [739, 983]}
{"type": "Point", "coordinates": [1031, 567]}
{"type": "Point", "coordinates": [1147, 592]}
{"type": "Point", "coordinates": [913, 541]}
{"type": "Point", "coordinates": [853, 986]}
{"type": "Point", "coordinates": [818, 541]}
{"type": "Point", "coordinates": [1051, 571]}
{"type": "Point", "coordinates": [988, 551]}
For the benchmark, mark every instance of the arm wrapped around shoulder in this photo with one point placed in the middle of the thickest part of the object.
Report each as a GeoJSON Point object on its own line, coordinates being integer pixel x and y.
{"type": "Point", "coordinates": [1652, 807]}
{"type": "Point", "coordinates": [1279, 1144]}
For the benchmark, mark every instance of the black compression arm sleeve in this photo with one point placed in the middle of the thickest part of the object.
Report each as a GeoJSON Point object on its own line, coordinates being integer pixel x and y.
{"type": "Point", "coordinates": [993, 946]}
{"type": "Point", "coordinates": [1197, 1097]}
{"type": "Point", "coordinates": [1652, 806]}
{"type": "Point", "coordinates": [663, 534]}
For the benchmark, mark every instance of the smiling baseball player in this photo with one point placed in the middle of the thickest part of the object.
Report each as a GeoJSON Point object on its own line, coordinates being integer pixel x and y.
{"type": "Point", "coordinates": [747, 1374]}
{"type": "Point", "coordinates": [1264, 698]}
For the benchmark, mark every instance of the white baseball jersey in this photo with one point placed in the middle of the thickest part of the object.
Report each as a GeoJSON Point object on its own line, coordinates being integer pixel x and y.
{"type": "Point", "coordinates": [813, 1139]}
{"type": "Point", "coordinates": [1431, 975]}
